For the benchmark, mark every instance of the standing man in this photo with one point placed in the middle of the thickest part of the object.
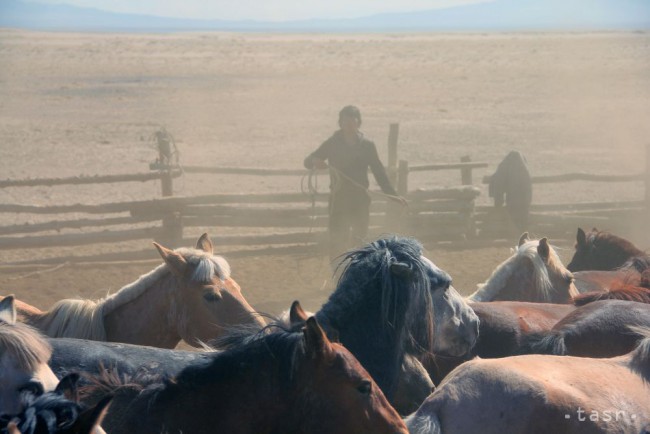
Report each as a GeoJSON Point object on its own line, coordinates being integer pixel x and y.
{"type": "Point", "coordinates": [349, 155]}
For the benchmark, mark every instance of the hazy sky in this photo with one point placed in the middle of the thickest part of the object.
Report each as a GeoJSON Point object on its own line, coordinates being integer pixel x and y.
{"type": "Point", "coordinates": [268, 10]}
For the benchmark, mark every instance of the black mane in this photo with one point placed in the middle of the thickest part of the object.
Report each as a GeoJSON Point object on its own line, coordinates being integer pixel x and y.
{"type": "Point", "coordinates": [378, 313]}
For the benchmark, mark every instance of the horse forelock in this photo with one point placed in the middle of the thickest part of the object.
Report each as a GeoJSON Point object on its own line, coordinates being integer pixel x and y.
{"type": "Point", "coordinates": [24, 345]}
{"type": "Point", "coordinates": [205, 266]}
{"type": "Point", "coordinates": [402, 299]}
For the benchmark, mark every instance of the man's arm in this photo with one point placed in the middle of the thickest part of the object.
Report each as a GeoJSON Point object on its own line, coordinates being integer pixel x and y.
{"type": "Point", "coordinates": [316, 160]}
{"type": "Point", "coordinates": [379, 172]}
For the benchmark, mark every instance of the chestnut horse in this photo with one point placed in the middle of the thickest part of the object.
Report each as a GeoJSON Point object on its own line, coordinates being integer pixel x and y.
{"type": "Point", "coordinates": [24, 354]}
{"type": "Point", "coordinates": [541, 394]}
{"type": "Point", "coordinates": [533, 273]}
{"type": "Point", "coordinates": [600, 250]}
{"type": "Point", "coordinates": [56, 412]}
{"type": "Point", "coordinates": [191, 296]}
{"type": "Point", "coordinates": [282, 382]}
{"type": "Point", "coordinates": [598, 329]}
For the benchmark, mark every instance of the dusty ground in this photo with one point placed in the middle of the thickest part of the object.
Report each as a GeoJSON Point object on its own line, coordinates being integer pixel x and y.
{"type": "Point", "coordinates": [74, 104]}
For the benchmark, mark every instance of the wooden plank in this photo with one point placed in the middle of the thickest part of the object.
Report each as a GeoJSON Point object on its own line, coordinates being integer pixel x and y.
{"type": "Point", "coordinates": [79, 239]}
{"type": "Point", "coordinates": [447, 166]}
{"type": "Point", "coordinates": [463, 192]}
{"type": "Point", "coordinates": [547, 207]}
{"type": "Point", "coordinates": [78, 180]}
{"type": "Point", "coordinates": [248, 171]}
{"type": "Point", "coordinates": [568, 177]}
{"type": "Point", "coordinates": [57, 225]}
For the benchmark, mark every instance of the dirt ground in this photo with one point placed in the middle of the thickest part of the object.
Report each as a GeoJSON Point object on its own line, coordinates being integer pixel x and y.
{"type": "Point", "coordinates": [73, 104]}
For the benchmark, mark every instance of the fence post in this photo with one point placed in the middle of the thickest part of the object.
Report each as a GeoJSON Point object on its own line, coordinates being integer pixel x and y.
{"type": "Point", "coordinates": [647, 179]}
{"type": "Point", "coordinates": [466, 172]}
{"type": "Point", "coordinates": [172, 224]}
{"type": "Point", "coordinates": [393, 135]}
{"type": "Point", "coordinates": [403, 178]}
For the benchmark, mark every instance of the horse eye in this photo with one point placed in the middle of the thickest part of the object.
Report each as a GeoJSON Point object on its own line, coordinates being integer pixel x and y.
{"type": "Point", "coordinates": [33, 387]}
{"type": "Point", "coordinates": [212, 296]}
{"type": "Point", "coordinates": [365, 387]}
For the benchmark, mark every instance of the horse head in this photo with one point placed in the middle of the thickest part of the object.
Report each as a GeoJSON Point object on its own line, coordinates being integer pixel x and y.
{"type": "Point", "coordinates": [24, 354]}
{"type": "Point", "coordinates": [600, 250]}
{"type": "Point", "coordinates": [534, 272]}
{"type": "Point", "coordinates": [207, 301]}
{"type": "Point", "coordinates": [339, 390]}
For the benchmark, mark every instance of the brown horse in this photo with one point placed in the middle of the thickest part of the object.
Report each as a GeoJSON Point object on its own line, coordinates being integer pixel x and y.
{"type": "Point", "coordinates": [191, 296]}
{"type": "Point", "coordinates": [24, 354]}
{"type": "Point", "coordinates": [282, 382]}
{"type": "Point", "coordinates": [542, 394]}
{"type": "Point", "coordinates": [598, 329]}
{"type": "Point", "coordinates": [533, 273]}
{"type": "Point", "coordinates": [600, 250]}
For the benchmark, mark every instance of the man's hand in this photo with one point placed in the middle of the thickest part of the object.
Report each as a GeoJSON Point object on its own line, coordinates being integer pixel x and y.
{"type": "Point", "coordinates": [317, 163]}
{"type": "Point", "coordinates": [400, 199]}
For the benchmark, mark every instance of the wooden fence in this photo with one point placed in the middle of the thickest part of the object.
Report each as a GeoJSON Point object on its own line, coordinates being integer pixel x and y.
{"type": "Point", "coordinates": [291, 222]}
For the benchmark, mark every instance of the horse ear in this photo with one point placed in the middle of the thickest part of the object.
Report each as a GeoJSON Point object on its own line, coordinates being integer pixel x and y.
{"type": "Point", "coordinates": [401, 269]}
{"type": "Point", "coordinates": [523, 238]}
{"type": "Point", "coordinates": [316, 342]}
{"type": "Point", "coordinates": [581, 237]}
{"type": "Point", "coordinates": [68, 387]}
{"type": "Point", "coordinates": [176, 262]}
{"type": "Point", "coordinates": [297, 315]}
{"type": "Point", "coordinates": [8, 310]}
{"type": "Point", "coordinates": [543, 249]}
{"type": "Point", "coordinates": [90, 419]}
{"type": "Point", "coordinates": [204, 243]}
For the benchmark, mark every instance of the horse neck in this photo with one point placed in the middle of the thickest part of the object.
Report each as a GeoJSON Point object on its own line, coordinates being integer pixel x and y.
{"type": "Point", "coordinates": [148, 319]}
{"type": "Point", "coordinates": [377, 346]}
{"type": "Point", "coordinates": [503, 283]}
{"type": "Point", "coordinates": [219, 403]}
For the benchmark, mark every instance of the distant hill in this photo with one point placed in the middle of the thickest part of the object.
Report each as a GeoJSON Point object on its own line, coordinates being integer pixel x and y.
{"type": "Point", "coordinates": [496, 15]}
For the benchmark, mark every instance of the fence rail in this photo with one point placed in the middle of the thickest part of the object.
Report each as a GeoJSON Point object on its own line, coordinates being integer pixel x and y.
{"type": "Point", "coordinates": [293, 221]}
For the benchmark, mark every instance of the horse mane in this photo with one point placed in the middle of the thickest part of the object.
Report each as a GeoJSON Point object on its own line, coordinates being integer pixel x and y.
{"type": "Point", "coordinates": [48, 413]}
{"type": "Point", "coordinates": [625, 292]}
{"type": "Point", "coordinates": [84, 319]}
{"type": "Point", "coordinates": [489, 289]}
{"type": "Point", "coordinates": [25, 344]}
{"type": "Point", "coordinates": [640, 357]}
{"type": "Point", "coordinates": [405, 303]}
{"type": "Point", "coordinates": [640, 263]}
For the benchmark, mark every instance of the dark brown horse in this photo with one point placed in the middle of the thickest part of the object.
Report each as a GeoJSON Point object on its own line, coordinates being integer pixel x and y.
{"type": "Point", "coordinates": [601, 328]}
{"type": "Point", "coordinates": [282, 382]}
{"type": "Point", "coordinates": [601, 250]}
{"type": "Point", "coordinates": [504, 327]}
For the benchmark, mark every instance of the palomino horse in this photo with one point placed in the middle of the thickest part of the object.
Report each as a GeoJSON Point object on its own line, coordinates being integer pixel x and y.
{"type": "Point", "coordinates": [191, 297]}
{"type": "Point", "coordinates": [600, 250]}
{"type": "Point", "coordinates": [597, 329]}
{"type": "Point", "coordinates": [542, 394]}
{"type": "Point", "coordinates": [24, 354]}
{"type": "Point", "coordinates": [533, 273]}
{"type": "Point", "coordinates": [390, 300]}
{"type": "Point", "coordinates": [281, 382]}
{"type": "Point", "coordinates": [56, 412]}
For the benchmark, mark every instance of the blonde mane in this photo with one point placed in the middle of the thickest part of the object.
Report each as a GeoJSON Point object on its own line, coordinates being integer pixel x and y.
{"type": "Point", "coordinates": [25, 345]}
{"type": "Point", "coordinates": [84, 319]}
{"type": "Point", "coordinates": [496, 282]}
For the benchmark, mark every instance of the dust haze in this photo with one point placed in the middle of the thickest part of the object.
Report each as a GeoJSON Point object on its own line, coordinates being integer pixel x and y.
{"type": "Point", "coordinates": [73, 104]}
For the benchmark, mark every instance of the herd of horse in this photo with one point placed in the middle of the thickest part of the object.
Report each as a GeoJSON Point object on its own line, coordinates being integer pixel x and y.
{"type": "Point", "coordinates": [537, 348]}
